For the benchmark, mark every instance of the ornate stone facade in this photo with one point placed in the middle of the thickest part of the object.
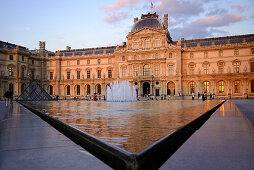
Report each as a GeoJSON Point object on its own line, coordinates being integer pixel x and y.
{"type": "Point", "coordinates": [154, 64]}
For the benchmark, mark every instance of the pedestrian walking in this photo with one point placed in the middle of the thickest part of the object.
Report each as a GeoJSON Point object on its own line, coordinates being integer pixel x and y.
{"type": "Point", "coordinates": [193, 95]}
{"type": "Point", "coordinates": [198, 95]}
{"type": "Point", "coordinates": [6, 95]}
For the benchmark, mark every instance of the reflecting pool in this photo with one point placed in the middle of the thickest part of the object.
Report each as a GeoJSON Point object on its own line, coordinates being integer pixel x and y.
{"type": "Point", "coordinates": [131, 126]}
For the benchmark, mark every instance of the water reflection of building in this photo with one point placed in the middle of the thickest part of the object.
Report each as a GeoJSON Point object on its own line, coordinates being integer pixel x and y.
{"type": "Point", "coordinates": [156, 65]}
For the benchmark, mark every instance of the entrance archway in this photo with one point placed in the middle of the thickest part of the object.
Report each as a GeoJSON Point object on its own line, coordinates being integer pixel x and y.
{"type": "Point", "coordinates": [146, 88]}
{"type": "Point", "coordinates": [171, 88]}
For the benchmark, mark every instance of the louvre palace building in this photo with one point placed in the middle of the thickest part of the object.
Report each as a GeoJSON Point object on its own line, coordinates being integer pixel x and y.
{"type": "Point", "coordinates": [149, 60]}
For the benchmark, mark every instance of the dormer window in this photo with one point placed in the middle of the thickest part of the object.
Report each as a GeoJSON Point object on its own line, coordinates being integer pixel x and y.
{"type": "Point", "coordinates": [135, 44]}
{"type": "Point", "coordinates": [157, 42]}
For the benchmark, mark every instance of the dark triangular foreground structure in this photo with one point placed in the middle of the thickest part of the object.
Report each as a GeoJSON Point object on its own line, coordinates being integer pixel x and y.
{"type": "Point", "coordinates": [34, 92]}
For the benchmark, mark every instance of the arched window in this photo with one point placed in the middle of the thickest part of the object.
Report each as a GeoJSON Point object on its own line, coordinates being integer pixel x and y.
{"type": "Point", "coordinates": [88, 89]}
{"type": "Point", "coordinates": [192, 87]}
{"type": "Point", "coordinates": [68, 90]}
{"type": "Point", "coordinates": [237, 86]}
{"type": "Point", "coordinates": [78, 89]}
{"type": "Point", "coordinates": [221, 86]}
{"type": "Point", "coordinates": [146, 70]}
{"type": "Point", "coordinates": [50, 90]}
{"type": "Point", "coordinates": [206, 87]}
{"type": "Point", "coordinates": [98, 89]}
{"type": "Point", "coordinates": [11, 71]}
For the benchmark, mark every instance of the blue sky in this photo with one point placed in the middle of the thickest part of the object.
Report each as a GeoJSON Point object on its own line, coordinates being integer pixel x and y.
{"type": "Point", "coordinates": [86, 24]}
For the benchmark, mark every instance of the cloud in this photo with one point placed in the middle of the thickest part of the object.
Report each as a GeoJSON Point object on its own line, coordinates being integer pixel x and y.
{"type": "Point", "coordinates": [240, 7]}
{"type": "Point", "coordinates": [217, 11]}
{"type": "Point", "coordinates": [205, 27]}
{"type": "Point", "coordinates": [27, 28]}
{"type": "Point", "coordinates": [121, 4]}
{"type": "Point", "coordinates": [116, 17]}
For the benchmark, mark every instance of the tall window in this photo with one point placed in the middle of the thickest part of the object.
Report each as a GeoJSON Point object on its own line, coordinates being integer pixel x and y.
{"type": "Point", "coordinates": [252, 66]}
{"type": "Point", "coordinates": [22, 72]}
{"type": "Point", "coordinates": [206, 87]}
{"type": "Point", "coordinates": [78, 89]}
{"type": "Point", "coordinates": [123, 71]}
{"type": "Point", "coordinates": [68, 63]}
{"type": "Point", "coordinates": [220, 53]}
{"type": "Point", "coordinates": [88, 89]}
{"type": "Point", "coordinates": [68, 90]}
{"type": "Point", "coordinates": [170, 55]}
{"type": "Point", "coordinates": [50, 90]}
{"type": "Point", "coordinates": [135, 57]}
{"type": "Point", "coordinates": [192, 87]}
{"type": "Point", "coordinates": [171, 69]}
{"type": "Point", "coordinates": [109, 60]}
{"type": "Point", "coordinates": [99, 74]}
{"type": "Point", "coordinates": [135, 44]}
{"type": "Point", "coordinates": [237, 86]}
{"type": "Point", "coordinates": [78, 74]}
{"type": "Point", "coordinates": [51, 75]}
{"type": "Point", "coordinates": [146, 44]}
{"type": "Point", "coordinates": [32, 74]}
{"type": "Point", "coordinates": [88, 61]}
{"type": "Point", "coordinates": [11, 71]}
{"type": "Point", "coordinates": [205, 54]}
{"type": "Point", "coordinates": [236, 52]}
{"type": "Point", "coordinates": [221, 86]}
{"type": "Point", "coordinates": [252, 50]}
{"type": "Point", "coordinates": [98, 89]}
{"type": "Point", "coordinates": [191, 67]}
{"type": "Point", "coordinates": [206, 66]}
{"type": "Point", "coordinates": [68, 75]}
{"type": "Point", "coordinates": [191, 55]}
{"type": "Point", "coordinates": [156, 56]}
{"type": "Point", "coordinates": [157, 70]}
{"type": "Point", "coordinates": [136, 71]}
{"type": "Point", "coordinates": [157, 42]}
{"type": "Point", "coordinates": [236, 66]}
{"type": "Point", "coordinates": [88, 74]}
{"type": "Point", "coordinates": [99, 61]}
{"type": "Point", "coordinates": [220, 67]}
{"type": "Point", "coordinates": [123, 58]}
{"type": "Point", "coordinates": [78, 62]}
{"type": "Point", "coordinates": [146, 70]}
{"type": "Point", "coordinates": [32, 62]}
{"type": "Point", "coordinates": [11, 57]}
{"type": "Point", "coordinates": [109, 73]}
{"type": "Point", "coordinates": [252, 86]}
{"type": "Point", "coordinates": [23, 58]}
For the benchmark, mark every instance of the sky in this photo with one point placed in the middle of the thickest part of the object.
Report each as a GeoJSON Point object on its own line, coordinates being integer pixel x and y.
{"type": "Point", "coordinates": [99, 23]}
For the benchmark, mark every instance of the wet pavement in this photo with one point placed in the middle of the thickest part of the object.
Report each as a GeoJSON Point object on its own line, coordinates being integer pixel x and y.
{"type": "Point", "coordinates": [28, 143]}
{"type": "Point", "coordinates": [225, 141]}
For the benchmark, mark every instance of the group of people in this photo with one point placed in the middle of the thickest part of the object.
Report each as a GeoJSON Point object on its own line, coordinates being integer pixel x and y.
{"type": "Point", "coordinates": [203, 96]}
{"type": "Point", "coordinates": [8, 97]}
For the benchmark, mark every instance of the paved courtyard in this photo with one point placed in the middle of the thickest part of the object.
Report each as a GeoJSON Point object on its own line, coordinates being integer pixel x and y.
{"type": "Point", "coordinates": [225, 141]}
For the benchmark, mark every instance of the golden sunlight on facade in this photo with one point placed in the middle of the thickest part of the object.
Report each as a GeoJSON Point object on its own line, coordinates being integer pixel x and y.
{"type": "Point", "coordinates": [149, 60]}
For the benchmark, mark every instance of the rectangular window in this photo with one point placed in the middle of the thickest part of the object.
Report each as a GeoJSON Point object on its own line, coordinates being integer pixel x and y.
{"type": "Point", "coordinates": [252, 51]}
{"type": "Point", "coordinates": [109, 73]}
{"type": "Point", "coordinates": [221, 69]}
{"type": "Point", "coordinates": [157, 92]}
{"type": "Point", "coordinates": [11, 71]}
{"type": "Point", "coordinates": [33, 62]}
{"type": "Point", "coordinates": [135, 57]}
{"type": "Point", "coordinates": [123, 58]}
{"type": "Point", "coordinates": [88, 74]}
{"type": "Point", "coordinates": [236, 52]}
{"type": "Point", "coordinates": [99, 61]}
{"type": "Point", "coordinates": [252, 66]}
{"type": "Point", "coordinates": [157, 43]}
{"type": "Point", "coordinates": [99, 73]}
{"type": "Point", "coordinates": [157, 70]}
{"type": "Point", "coordinates": [170, 55]}
{"type": "Point", "coordinates": [206, 69]}
{"type": "Point", "coordinates": [11, 57]}
{"type": "Point", "coordinates": [32, 74]}
{"type": "Point", "coordinates": [252, 86]}
{"type": "Point", "coordinates": [23, 72]}
{"type": "Point", "coordinates": [221, 86]}
{"type": "Point", "coordinates": [135, 45]}
{"type": "Point", "coordinates": [23, 58]}
{"type": "Point", "coordinates": [146, 44]}
{"type": "Point", "coordinates": [220, 53]}
{"type": "Point", "coordinates": [156, 56]}
{"type": "Point", "coordinates": [123, 72]}
{"type": "Point", "coordinates": [237, 86]}
{"type": "Point", "coordinates": [68, 63]}
{"type": "Point", "coordinates": [78, 74]}
{"type": "Point", "coordinates": [135, 71]}
{"type": "Point", "coordinates": [78, 62]}
{"type": "Point", "coordinates": [68, 75]}
{"type": "Point", "coordinates": [236, 67]}
{"type": "Point", "coordinates": [51, 75]}
{"type": "Point", "coordinates": [191, 55]}
{"type": "Point", "coordinates": [206, 54]}
{"type": "Point", "coordinates": [88, 61]}
{"type": "Point", "coordinates": [171, 69]}
{"type": "Point", "coordinates": [109, 60]}
{"type": "Point", "coordinates": [192, 87]}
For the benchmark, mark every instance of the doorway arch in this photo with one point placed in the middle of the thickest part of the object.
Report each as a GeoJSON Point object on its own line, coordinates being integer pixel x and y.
{"type": "Point", "coordinates": [146, 88]}
{"type": "Point", "coordinates": [171, 88]}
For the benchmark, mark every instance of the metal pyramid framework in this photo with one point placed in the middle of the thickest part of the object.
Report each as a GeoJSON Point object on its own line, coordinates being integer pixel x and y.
{"type": "Point", "coordinates": [34, 92]}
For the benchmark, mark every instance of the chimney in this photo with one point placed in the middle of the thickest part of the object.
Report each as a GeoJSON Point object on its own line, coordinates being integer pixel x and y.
{"type": "Point", "coordinates": [42, 51]}
{"type": "Point", "coordinates": [68, 48]}
{"type": "Point", "coordinates": [166, 21]}
{"type": "Point", "coordinates": [135, 20]}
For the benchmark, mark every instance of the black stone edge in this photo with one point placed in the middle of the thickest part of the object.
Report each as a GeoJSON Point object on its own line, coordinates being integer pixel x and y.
{"type": "Point", "coordinates": [152, 157]}
{"type": "Point", "coordinates": [156, 154]}
{"type": "Point", "coordinates": [114, 157]}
